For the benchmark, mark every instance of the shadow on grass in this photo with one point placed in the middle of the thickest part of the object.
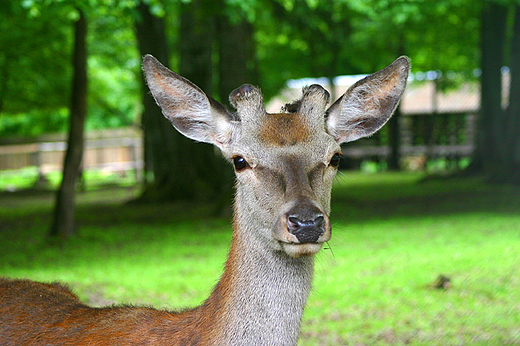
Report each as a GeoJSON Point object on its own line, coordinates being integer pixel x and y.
{"type": "Point", "coordinates": [107, 222]}
{"type": "Point", "coordinates": [385, 196]}
{"type": "Point", "coordinates": [103, 206]}
{"type": "Point", "coordinates": [26, 215]}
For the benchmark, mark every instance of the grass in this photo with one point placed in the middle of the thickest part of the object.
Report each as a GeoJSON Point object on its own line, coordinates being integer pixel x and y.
{"type": "Point", "coordinates": [394, 234]}
{"type": "Point", "coordinates": [28, 178]}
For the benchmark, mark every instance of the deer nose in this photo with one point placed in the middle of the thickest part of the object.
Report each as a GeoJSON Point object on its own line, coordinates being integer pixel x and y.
{"type": "Point", "coordinates": [306, 231]}
{"type": "Point", "coordinates": [303, 222]}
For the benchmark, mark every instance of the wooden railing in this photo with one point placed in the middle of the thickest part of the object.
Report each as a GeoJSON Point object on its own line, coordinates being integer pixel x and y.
{"type": "Point", "coordinates": [109, 150]}
{"type": "Point", "coordinates": [423, 136]}
{"type": "Point", "coordinates": [427, 136]}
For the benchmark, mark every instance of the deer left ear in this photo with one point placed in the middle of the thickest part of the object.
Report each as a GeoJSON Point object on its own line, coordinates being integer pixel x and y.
{"type": "Point", "coordinates": [190, 111]}
{"type": "Point", "coordinates": [368, 104]}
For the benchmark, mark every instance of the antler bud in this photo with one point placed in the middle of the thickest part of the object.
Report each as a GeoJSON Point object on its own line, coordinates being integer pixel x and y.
{"type": "Point", "coordinates": [247, 100]}
{"type": "Point", "coordinates": [314, 101]}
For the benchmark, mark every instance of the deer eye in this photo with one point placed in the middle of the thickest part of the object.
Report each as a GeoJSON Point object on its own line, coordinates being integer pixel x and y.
{"type": "Point", "coordinates": [240, 163]}
{"type": "Point", "coordinates": [334, 161]}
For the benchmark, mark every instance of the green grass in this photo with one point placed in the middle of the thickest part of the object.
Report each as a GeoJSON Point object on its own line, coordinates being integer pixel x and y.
{"type": "Point", "coordinates": [393, 235]}
{"type": "Point", "coordinates": [28, 178]}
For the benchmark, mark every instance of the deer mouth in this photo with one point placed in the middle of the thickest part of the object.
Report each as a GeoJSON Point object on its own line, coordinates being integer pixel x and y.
{"type": "Point", "coordinates": [301, 250]}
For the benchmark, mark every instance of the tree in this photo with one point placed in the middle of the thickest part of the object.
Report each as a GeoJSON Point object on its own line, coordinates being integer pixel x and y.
{"type": "Point", "coordinates": [237, 54]}
{"type": "Point", "coordinates": [179, 166]}
{"type": "Point", "coordinates": [512, 128]}
{"type": "Point", "coordinates": [310, 39]}
{"type": "Point", "coordinates": [205, 174]}
{"type": "Point", "coordinates": [497, 154]}
{"type": "Point", "coordinates": [183, 169]}
{"type": "Point", "coordinates": [159, 135]}
{"type": "Point", "coordinates": [64, 222]}
{"type": "Point", "coordinates": [114, 66]}
{"type": "Point", "coordinates": [35, 69]}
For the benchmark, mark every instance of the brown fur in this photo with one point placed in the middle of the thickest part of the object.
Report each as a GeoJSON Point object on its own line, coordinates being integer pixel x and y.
{"type": "Point", "coordinates": [34, 313]}
{"type": "Point", "coordinates": [53, 315]}
{"type": "Point", "coordinates": [284, 129]}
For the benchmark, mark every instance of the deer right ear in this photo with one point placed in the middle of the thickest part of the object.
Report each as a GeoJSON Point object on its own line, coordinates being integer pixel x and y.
{"type": "Point", "coordinates": [188, 108]}
{"type": "Point", "coordinates": [368, 104]}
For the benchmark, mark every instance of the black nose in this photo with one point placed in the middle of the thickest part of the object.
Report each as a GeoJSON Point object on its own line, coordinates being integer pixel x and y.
{"type": "Point", "coordinates": [306, 231]}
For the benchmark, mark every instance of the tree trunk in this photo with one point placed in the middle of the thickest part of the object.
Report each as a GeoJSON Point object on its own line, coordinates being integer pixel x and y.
{"type": "Point", "coordinates": [182, 169]}
{"type": "Point", "coordinates": [206, 176]}
{"type": "Point", "coordinates": [497, 154]}
{"type": "Point", "coordinates": [64, 223]}
{"type": "Point", "coordinates": [159, 135]}
{"type": "Point", "coordinates": [493, 23]}
{"type": "Point", "coordinates": [512, 128]}
{"type": "Point", "coordinates": [237, 63]}
{"type": "Point", "coordinates": [197, 33]}
{"type": "Point", "coordinates": [151, 39]}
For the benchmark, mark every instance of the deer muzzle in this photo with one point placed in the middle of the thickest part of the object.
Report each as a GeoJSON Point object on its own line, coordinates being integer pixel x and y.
{"type": "Point", "coordinates": [302, 229]}
{"type": "Point", "coordinates": [306, 231]}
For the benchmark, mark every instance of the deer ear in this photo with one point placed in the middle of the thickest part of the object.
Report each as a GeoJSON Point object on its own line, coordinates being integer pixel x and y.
{"type": "Point", "coordinates": [188, 108]}
{"type": "Point", "coordinates": [368, 104]}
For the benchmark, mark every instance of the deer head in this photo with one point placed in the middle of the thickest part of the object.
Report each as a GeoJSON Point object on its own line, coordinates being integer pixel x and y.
{"type": "Point", "coordinates": [285, 163]}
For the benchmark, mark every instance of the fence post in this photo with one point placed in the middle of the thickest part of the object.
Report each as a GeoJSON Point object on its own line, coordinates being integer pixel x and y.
{"type": "Point", "coordinates": [37, 160]}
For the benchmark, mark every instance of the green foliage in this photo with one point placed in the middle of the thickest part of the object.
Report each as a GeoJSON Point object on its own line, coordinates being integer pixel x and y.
{"type": "Point", "coordinates": [437, 35]}
{"type": "Point", "coordinates": [393, 235]}
{"type": "Point", "coordinates": [114, 69]}
{"type": "Point", "coordinates": [34, 59]}
{"type": "Point", "coordinates": [34, 122]}
{"type": "Point", "coordinates": [329, 38]}
{"type": "Point", "coordinates": [114, 100]}
{"type": "Point", "coordinates": [309, 39]}
{"type": "Point", "coordinates": [35, 66]}
{"type": "Point", "coordinates": [294, 39]}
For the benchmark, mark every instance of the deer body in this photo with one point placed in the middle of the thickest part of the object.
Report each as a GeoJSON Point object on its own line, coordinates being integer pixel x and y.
{"type": "Point", "coordinates": [266, 309]}
{"type": "Point", "coordinates": [285, 164]}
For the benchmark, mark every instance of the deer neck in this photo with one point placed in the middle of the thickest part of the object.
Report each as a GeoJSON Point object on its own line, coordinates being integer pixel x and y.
{"type": "Point", "coordinates": [262, 294]}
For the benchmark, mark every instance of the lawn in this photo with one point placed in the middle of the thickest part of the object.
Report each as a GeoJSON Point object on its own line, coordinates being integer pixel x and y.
{"type": "Point", "coordinates": [393, 235]}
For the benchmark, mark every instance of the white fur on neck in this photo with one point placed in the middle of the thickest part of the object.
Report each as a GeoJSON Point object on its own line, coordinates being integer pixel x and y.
{"type": "Point", "coordinates": [269, 293]}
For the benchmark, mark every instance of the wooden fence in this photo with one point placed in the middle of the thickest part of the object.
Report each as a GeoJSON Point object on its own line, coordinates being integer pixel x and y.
{"type": "Point", "coordinates": [432, 124]}
{"type": "Point", "coordinates": [109, 150]}
{"type": "Point", "coordinates": [423, 136]}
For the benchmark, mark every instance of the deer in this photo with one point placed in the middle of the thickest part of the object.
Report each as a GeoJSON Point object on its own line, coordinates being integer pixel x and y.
{"type": "Point", "coordinates": [285, 164]}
